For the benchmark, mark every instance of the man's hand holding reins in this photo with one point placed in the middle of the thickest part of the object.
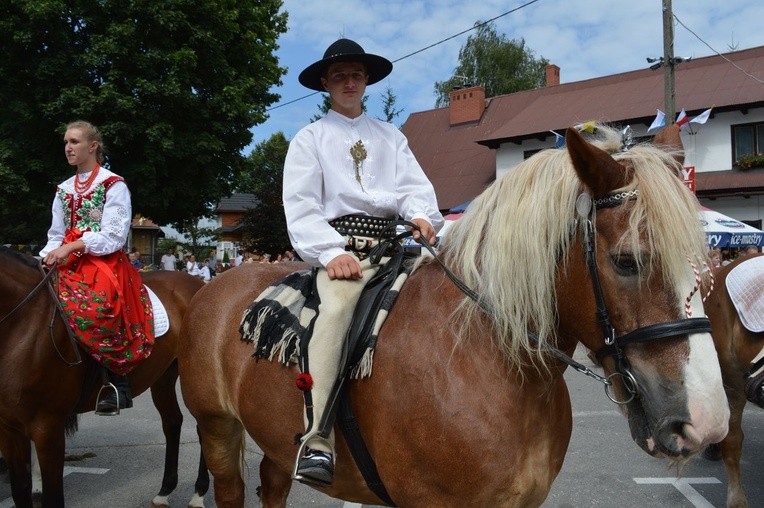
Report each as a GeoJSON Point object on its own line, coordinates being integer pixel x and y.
{"type": "Point", "coordinates": [425, 230]}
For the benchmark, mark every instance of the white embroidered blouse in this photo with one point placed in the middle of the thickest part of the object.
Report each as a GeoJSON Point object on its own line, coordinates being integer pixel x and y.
{"type": "Point", "coordinates": [103, 214]}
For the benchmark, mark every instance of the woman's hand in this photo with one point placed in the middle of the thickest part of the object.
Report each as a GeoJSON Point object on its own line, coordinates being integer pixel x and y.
{"type": "Point", "coordinates": [58, 254]}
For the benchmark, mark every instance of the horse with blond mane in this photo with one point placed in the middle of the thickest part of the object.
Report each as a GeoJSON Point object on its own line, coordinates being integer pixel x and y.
{"type": "Point", "coordinates": [469, 407]}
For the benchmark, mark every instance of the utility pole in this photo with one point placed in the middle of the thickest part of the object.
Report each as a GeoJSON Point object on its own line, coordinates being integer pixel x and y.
{"type": "Point", "coordinates": [668, 62]}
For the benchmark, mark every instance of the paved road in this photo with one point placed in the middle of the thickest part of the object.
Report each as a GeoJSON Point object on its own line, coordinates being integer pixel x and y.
{"type": "Point", "coordinates": [603, 466]}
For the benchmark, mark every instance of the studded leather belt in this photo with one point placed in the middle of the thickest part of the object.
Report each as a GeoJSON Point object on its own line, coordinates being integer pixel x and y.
{"type": "Point", "coordinates": [362, 225]}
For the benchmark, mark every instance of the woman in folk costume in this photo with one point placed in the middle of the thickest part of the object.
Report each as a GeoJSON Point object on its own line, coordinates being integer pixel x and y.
{"type": "Point", "coordinates": [102, 294]}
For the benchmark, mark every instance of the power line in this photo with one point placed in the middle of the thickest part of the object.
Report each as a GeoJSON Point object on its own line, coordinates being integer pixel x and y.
{"type": "Point", "coordinates": [475, 27]}
{"type": "Point", "coordinates": [719, 54]}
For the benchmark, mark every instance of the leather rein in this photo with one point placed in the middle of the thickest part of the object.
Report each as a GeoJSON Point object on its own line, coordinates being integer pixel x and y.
{"type": "Point", "coordinates": [46, 283]}
{"type": "Point", "coordinates": [613, 344]}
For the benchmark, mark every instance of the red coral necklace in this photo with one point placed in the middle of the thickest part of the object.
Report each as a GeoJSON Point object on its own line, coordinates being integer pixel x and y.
{"type": "Point", "coordinates": [82, 187]}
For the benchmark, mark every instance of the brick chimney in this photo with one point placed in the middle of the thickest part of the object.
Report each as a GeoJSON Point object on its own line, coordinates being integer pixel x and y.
{"type": "Point", "coordinates": [466, 104]}
{"type": "Point", "coordinates": [552, 75]}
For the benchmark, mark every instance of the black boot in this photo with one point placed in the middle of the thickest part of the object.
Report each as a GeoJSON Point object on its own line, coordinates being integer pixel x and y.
{"type": "Point", "coordinates": [115, 400]}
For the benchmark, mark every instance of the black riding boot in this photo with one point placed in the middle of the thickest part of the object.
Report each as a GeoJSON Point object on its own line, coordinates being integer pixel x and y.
{"type": "Point", "coordinates": [108, 404]}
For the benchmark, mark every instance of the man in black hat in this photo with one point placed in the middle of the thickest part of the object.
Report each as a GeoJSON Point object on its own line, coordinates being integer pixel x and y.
{"type": "Point", "coordinates": [345, 167]}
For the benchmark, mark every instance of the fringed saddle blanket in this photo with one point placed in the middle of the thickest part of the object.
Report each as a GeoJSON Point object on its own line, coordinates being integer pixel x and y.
{"type": "Point", "coordinates": [278, 318]}
{"type": "Point", "coordinates": [745, 285]}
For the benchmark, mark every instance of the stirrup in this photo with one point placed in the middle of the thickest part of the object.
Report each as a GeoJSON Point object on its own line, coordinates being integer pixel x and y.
{"type": "Point", "coordinates": [110, 412]}
{"type": "Point", "coordinates": [311, 436]}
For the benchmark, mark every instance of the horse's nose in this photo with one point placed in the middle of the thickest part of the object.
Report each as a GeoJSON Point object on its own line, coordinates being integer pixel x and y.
{"type": "Point", "coordinates": [677, 437]}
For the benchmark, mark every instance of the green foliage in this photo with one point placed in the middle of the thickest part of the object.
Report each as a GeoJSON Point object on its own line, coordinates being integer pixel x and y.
{"type": "Point", "coordinates": [175, 87]}
{"type": "Point", "coordinates": [754, 160]}
{"type": "Point", "coordinates": [264, 226]}
{"type": "Point", "coordinates": [388, 105]}
{"type": "Point", "coordinates": [499, 64]}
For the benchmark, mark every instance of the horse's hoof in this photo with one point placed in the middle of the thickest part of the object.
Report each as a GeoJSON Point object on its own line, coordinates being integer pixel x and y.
{"type": "Point", "coordinates": [196, 502]}
{"type": "Point", "coordinates": [713, 452]}
{"type": "Point", "coordinates": [160, 502]}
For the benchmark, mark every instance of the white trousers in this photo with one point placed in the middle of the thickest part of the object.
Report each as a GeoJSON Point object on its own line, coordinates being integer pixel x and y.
{"type": "Point", "coordinates": [338, 300]}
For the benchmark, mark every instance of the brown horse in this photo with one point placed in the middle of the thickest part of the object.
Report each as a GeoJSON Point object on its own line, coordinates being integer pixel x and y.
{"type": "Point", "coordinates": [736, 347]}
{"type": "Point", "coordinates": [42, 381]}
{"type": "Point", "coordinates": [464, 408]}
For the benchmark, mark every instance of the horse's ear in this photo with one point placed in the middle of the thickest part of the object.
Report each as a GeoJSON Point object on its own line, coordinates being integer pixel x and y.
{"type": "Point", "coordinates": [600, 172]}
{"type": "Point", "coordinates": [671, 140]}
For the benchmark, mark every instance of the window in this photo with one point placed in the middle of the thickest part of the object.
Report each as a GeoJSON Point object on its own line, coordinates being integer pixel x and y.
{"type": "Point", "coordinates": [747, 139]}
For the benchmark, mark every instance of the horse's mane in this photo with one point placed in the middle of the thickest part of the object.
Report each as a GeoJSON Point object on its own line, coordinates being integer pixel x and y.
{"type": "Point", "coordinates": [6, 254]}
{"type": "Point", "coordinates": [512, 238]}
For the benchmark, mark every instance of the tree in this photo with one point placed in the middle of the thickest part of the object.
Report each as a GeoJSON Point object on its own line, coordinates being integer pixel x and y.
{"type": "Point", "coordinates": [499, 64]}
{"type": "Point", "coordinates": [264, 226]}
{"type": "Point", "coordinates": [388, 105]}
{"type": "Point", "coordinates": [174, 86]}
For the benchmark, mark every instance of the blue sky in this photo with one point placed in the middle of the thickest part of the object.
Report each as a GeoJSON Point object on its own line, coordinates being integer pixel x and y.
{"type": "Point", "coordinates": [585, 38]}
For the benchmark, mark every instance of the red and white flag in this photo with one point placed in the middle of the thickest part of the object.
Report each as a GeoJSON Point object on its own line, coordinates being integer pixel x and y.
{"type": "Point", "coordinates": [682, 119]}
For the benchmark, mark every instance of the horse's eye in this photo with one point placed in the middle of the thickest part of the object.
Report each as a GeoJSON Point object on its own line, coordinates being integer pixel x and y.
{"type": "Point", "coordinates": [625, 264]}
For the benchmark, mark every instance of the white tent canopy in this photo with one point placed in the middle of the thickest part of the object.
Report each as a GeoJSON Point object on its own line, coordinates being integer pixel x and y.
{"type": "Point", "coordinates": [724, 231]}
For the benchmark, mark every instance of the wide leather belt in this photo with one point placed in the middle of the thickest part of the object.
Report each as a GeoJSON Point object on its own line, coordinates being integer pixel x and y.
{"type": "Point", "coordinates": [363, 225]}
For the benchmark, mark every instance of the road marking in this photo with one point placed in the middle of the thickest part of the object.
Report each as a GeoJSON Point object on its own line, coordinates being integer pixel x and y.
{"type": "Point", "coordinates": [684, 487]}
{"type": "Point", "coordinates": [8, 503]}
{"type": "Point", "coordinates": [348, 504]}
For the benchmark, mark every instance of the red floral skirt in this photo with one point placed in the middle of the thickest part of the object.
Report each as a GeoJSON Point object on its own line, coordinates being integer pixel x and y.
{"type": "Point", "coordinates": [107, 308]}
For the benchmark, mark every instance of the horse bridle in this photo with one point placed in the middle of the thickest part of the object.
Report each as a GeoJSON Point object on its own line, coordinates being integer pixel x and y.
{"type": "Point", "coordinates": [57, 309]}
{"type": "Point", "coordinates": [613, 344]}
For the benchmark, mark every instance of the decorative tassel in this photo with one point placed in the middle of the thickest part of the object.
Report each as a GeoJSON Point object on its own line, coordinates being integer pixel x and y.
{"type": "Point", "coordinates": [304, 381]}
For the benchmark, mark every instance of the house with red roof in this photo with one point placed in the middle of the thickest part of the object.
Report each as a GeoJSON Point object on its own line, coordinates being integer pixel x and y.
{"type": "Point", "coordinates": [464, 147]}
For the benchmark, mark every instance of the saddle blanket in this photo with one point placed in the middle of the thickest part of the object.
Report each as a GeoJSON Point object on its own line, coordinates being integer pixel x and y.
{"type": "Point", "coordinates": [745, 285]}
{"type": "Point", "coordinates": [161, 320]}
{"type": "Point", "coordinates": [279, 317]}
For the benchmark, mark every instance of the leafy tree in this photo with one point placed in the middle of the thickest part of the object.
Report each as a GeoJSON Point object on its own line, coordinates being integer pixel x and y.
{"type": "Point", "coordinates": [499, 64]}
{"type": "Point", "coordinates": [265, 229]}
{"type": "Point", "coordinates": [388, 105]}
{"type": "Point", "coordinates": [175, 87]}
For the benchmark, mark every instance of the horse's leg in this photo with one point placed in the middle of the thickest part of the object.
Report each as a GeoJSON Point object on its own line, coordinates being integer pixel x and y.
{"type": "Point", "coordinates": [275, 484]}
{"type": "Point", "coordinates": [202, 484]}
{"type": "Point", "coordinates": [50, 443]}
{"type": "Point", "coordinates": [732, 449]}
{"type": "Point", "coordinates": [17, 454]}
{"type": "Point", "coordinates": [223, 445]}
{"type": "Point", "coordinates": [36, 478]}
{"type": "Point", "coordinates": [166, 401]}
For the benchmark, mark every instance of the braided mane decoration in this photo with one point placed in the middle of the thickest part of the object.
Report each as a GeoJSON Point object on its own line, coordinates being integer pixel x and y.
{"type": "Point", "coordinates": [516, 235]}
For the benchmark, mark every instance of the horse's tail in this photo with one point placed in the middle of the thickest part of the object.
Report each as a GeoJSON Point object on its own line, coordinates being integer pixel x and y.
{"type": "Point", "coordinates": [72, 424]}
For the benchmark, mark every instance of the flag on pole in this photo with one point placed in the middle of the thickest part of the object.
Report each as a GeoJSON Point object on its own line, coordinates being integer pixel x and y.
{"type": "Point", "coordinates": [703, 117]}
{"type": "Point", "coordinates": [559, 140]}
{"type": "Point", "coordinates": [660, 120]}
{"type": "Point", "coordinates": [682, 119]}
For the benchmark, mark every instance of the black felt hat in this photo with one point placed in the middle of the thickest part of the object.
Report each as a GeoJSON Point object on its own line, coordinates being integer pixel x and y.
{"type": "Point", "coordinates": [345, 50]}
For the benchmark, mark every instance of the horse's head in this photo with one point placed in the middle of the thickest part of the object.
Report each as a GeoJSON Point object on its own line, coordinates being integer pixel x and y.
{"type": "Point", "coordinates": [640, 225]}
